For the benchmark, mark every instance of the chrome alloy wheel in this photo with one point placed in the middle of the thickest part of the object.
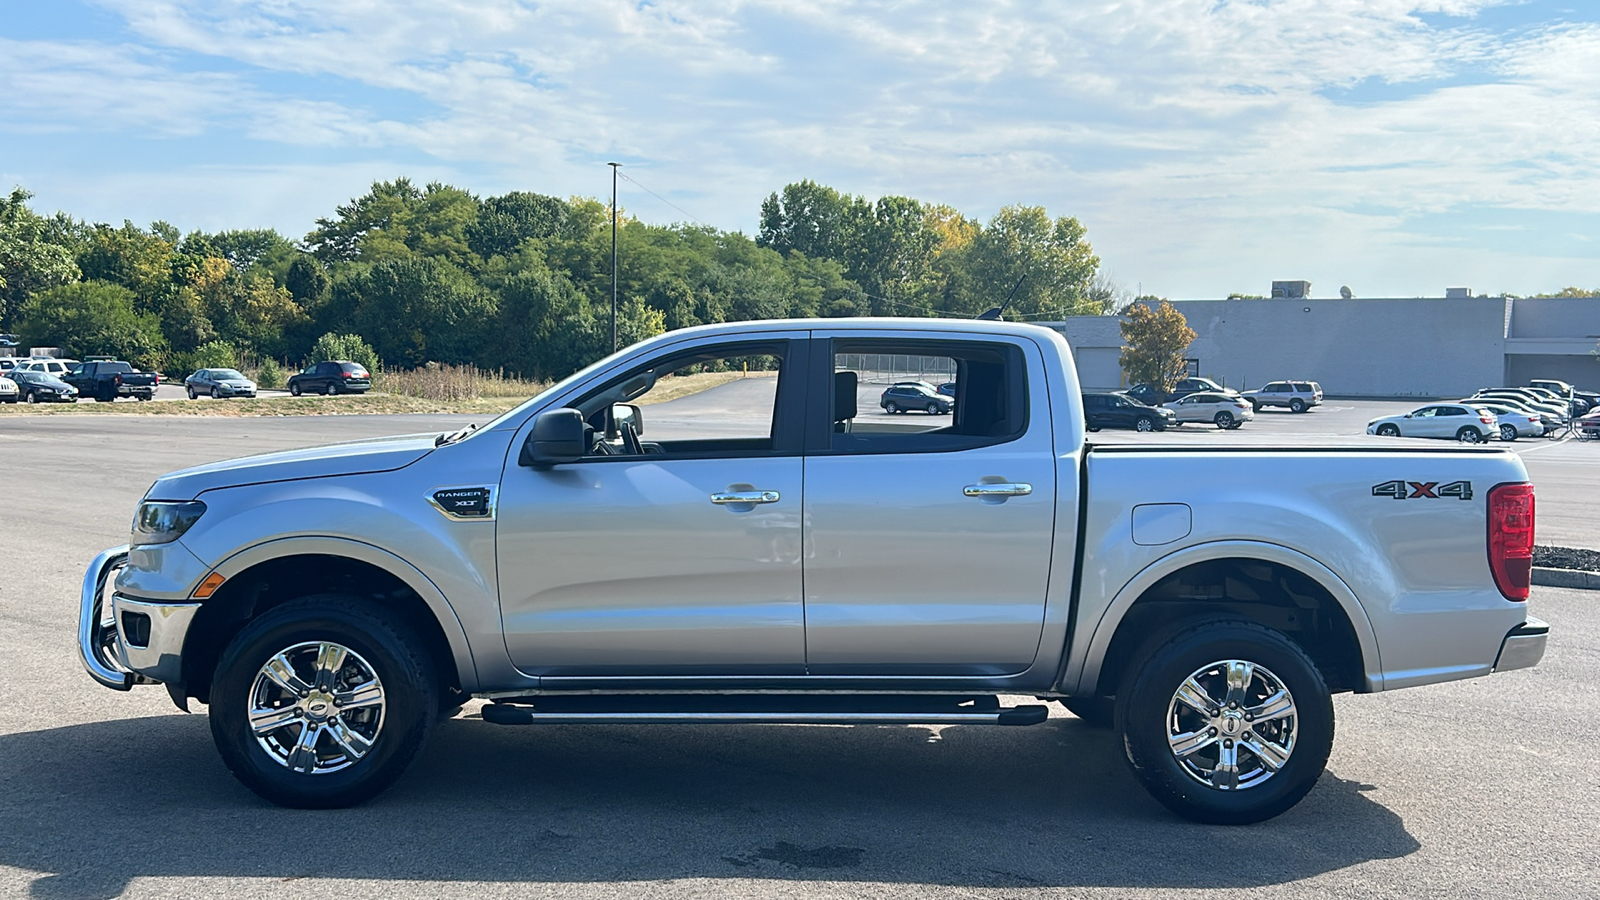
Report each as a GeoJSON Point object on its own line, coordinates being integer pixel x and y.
{"type": "Point", "coordinates": [316, 707]}
{"type": "Point", "coordinates": [1231, 725]}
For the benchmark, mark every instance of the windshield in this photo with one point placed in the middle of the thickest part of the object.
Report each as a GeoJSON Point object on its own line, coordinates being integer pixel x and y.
{"type": "Point", "coordinates": [227, 374]}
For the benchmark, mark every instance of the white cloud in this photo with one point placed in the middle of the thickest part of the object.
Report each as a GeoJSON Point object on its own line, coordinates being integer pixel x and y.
{"type": "Point", "coordinates": [1192, 136]}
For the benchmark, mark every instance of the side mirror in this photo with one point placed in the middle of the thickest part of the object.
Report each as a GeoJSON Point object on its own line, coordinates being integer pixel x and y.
{"type": "Point", "coordinates": [627, 414]}
{"type": "Point", "coordinates": [556, 438]}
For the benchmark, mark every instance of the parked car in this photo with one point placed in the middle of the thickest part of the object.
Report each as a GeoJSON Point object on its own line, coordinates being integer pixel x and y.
{"type": "Point", "coordinates": [1550, 418]}
{"type": "Point", "coordinates": [1221, 409]}
{"type": "Point", "coordinates": [1576, 406]}
{"type": "Point", "coordinates": [331, 377]}
{"type": "Point", "coordinates": [7, 363]}
{"type": "Point", "coordinates": [42, 387]}
{"type": "Point", "coordinates": [9, 340]}
{"type": "Point", "coordinates": [56, 367]}
{"type": "Point", "coordinates": [1563, 389]}
{"type": "Point", "coordinates": [219, 383]}
{"type": "Point", "coordinates": [329, 605]}
{"type": "Point", "coordinates": [1115, 409]}
{"type": "Point", "coordinates": [1295, 396]}
{"type": "Point", "coordinates": [8, 391]}
{"type": "Point", "coordinates": [106, 381]}
{"type": "Point", "coordinates": [948, 389]}
{"type": "Point", "coordinates": [1153, 396]}
{"type": "Point", "coordinates": [906, 396]}
{"type": "Point", "coordinates": [1589, 427]}
{"type": "Point", "coordinates": [1526, 399]}
{"type": "Point", "coordinates": [1515, 423]}
{"type": "Point", "coordinates": [1468, 424]}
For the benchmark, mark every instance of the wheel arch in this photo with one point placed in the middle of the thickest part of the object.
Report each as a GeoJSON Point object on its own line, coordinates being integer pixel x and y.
{"type": "Point", "coordinates": [1307, 594]}
{"type": "Point", "coordinates": [323, 565]}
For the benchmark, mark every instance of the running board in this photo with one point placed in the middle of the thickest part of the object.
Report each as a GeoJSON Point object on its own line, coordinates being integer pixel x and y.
{"type": "Point", "coordinates": [760, 710]}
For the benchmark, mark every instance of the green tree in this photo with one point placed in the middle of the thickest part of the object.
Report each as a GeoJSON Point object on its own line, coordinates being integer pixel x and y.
{"type": "Point", "coordinates": [33, 254]}
{"type": "Point", "coordinates": [350, 347]}
{"type": "Point", "coordinates": [93, 317]}
{"type": "Point", "coordinates": [1154, 341]}
{"type": "Point", "coordinates": [504, 222]}
{"type": "Point", "coordinates": [306, 280]}
{"type": "Point", "coordinates": [395, 220]}
{"type": "Point", "coordinates": [1058, 263]}
{"type": "Point", "coordinates": [417, 309]}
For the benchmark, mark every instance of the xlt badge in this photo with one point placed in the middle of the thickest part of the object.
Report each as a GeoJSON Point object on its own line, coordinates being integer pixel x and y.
{"type": "Point", "coordinates": [464, 502]}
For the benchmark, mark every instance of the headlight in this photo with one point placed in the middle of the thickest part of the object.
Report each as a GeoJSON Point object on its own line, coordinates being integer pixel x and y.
{"type": "Point", "coordinates": [161, 522]}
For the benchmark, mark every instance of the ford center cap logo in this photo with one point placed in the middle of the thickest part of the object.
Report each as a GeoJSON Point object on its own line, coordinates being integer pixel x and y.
{"type": "Point", "coordinates": [465, 503]}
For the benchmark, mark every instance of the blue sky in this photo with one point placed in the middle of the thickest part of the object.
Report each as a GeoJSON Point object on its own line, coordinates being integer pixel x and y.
{"type": "Point", "coordinates": [1209, 146]}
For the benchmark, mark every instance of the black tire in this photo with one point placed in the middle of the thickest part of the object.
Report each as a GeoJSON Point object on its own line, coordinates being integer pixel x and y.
{"type": "Point", "coordinates": [1224, 419]}
{"type": "Point", "coordinates": [933, 409]}
{"type": "Point", "coordinates": [1196, 649]}
{"type": "Point", "coordinates": [1096, 712]}
{"type": "Point", "coordinates": [216, 394]}
{"type": "Point", "coordinates": [294, 388]}
{"type": "Point", "coordinates": [1469, 435]}
{"type": "Point", "coordinates": [1389, 429]}
{"type": "Point", "coordinates": [30, 397]}
{"type": "Point", "coordinates": [382, 642]}
{"type": "Point", "coordinates": [1297, 405]}
{"type": "Point", "coordinates": [190, 390]}
{"type": "Point", "coordinates": [1254, 406]}
{"type": "Point", "coordinates": [1092, 426]}
{"type": "Point", "coordinates": [1508, 433]}
{"type": "Point", "coordinates": [334, 388]}
{"type": "Point", "coordinates": [1144, 423]}
{"type": "Point", "coordinates": [892, 407]}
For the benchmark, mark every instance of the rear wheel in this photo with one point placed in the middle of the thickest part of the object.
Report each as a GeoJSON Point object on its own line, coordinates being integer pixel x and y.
{"type": "Point", "coordinates": [892, 408]}
{"type": "Point", "coordinates": [1226, 722]}
{"type": "Point", "coordinates": [322, 702]}
{"type": "Point", "coordinates": [1297, 405]}
{"type": "Point", "coordinates": [1508, 432]}
{"type": "Point", "coordinates": [1469, 435]}
{"type": "Point", "coordinates": [1224, 419]}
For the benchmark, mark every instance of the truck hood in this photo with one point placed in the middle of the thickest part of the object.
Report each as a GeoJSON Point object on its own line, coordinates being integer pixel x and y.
{"type": "Point", "coordinates": [353, 458]}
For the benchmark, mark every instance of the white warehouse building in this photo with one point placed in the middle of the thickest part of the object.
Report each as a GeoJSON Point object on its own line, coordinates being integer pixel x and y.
{"type": "Point", "coordinates": [1394, 347]}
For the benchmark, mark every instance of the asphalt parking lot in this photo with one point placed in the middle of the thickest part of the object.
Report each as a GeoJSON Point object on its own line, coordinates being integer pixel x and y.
{"type": "Point", "coordinates": [1483, 788]}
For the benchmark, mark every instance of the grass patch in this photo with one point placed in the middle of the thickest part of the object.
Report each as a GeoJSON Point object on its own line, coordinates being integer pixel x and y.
{"type": "Point", "coordinates": [346, 405]}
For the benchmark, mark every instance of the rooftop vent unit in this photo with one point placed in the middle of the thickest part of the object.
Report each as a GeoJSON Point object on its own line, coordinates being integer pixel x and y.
{"type": "Point", "coordinates": [1291, 290]}
{"type": "Point", "coordinates": [1457, 293]}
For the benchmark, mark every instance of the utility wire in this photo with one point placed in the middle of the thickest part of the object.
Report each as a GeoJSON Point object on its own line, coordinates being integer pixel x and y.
{"type": "Point", "coordinates": [675, 206]}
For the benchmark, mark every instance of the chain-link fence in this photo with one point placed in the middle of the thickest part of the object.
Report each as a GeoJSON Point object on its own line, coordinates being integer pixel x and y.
{"type": "Point", "coordinates": [888, 368]}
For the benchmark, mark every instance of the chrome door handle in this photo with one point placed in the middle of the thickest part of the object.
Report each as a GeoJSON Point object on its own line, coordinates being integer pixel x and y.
{"type": "Point", "coordinates": [725, 497]}
{"type": "Point", "coordinates": [998, 490]}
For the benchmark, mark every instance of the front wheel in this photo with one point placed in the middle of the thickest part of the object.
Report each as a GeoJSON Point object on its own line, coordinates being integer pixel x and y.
{"type": "Point", "coordinates": [1508, 432]}
{"type": "Point", "coordinates": [30, 397]}
{"type": "Point", "coordinates": [192, 394]}
{"type": "Point", "coordinates": [933, 409]}
{"type": "Point", "coordinates": [294, 389]}
{"type": "Point", "coordinates": [1224, 419]}
{"type": "Point", "coordinates": [1226, 722]}
{"type": "Point", "coordinates": [1468, 435]}
{"type": "Point", "coordinates": [1144, 423]}
{"type": "Point", "coordinates": [322, 702]}
{"type": "Point", "coordinates": [216, 394]}
{"type": "Point", "coordinates": [1389, 430]}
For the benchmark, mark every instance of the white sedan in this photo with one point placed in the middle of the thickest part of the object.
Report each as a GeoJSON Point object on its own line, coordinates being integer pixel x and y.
{"type": "Point", "coordinates": [1468, 424]}
{"type": "Point", "coordinates": [1515, 423]}
{"type": "Point", "coordinates": [1223, 410]}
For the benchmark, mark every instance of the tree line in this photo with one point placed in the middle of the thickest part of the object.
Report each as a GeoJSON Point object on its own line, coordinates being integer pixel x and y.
{"type": "Point", "coordinates": [520, 281]}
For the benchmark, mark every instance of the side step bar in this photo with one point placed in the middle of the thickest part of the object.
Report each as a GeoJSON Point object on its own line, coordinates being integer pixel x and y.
{"type": "Point", "coordinates": [760, 710]}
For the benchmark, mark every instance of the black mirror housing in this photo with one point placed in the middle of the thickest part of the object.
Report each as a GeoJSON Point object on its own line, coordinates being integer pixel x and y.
{"type": "Point", "coordinates": [556, 438]}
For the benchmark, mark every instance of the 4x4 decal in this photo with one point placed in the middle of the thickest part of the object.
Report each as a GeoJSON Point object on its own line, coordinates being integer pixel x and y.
{"type": "Point", "coordinates": [1412, 490]}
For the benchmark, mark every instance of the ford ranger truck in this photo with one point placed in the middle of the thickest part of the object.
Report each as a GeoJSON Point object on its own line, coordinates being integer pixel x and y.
{"type": "Point", "coordinates": [776, 550]}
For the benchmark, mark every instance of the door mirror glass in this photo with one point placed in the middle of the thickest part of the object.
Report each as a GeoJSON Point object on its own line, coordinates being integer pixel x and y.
{"type": "Point", "coordinates": [556, 438]}
{"type": "Point", "coordinates": [627, 414]}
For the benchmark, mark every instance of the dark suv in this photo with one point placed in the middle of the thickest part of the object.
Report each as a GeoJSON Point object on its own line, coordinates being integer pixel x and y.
{"type": "Point", "coordinates": [335, 377]}
{"type": "Point", "coordinates": [903, 397]}
{"type": "Point", "coordinates": [1112, 409]}
{"type": "Point", "coordinates": [1153, 396]}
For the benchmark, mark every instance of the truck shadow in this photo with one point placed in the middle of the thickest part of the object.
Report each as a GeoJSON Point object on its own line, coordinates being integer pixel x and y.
{"type": "Point", "coordinates": [90, 807]}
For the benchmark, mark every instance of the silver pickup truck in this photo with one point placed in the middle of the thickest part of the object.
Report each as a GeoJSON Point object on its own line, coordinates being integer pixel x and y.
{"type": "Point", "coordinates": [775, 549]}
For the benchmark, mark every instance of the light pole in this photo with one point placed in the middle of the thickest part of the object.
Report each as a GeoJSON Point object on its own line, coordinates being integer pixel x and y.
{"type": "Point", "coordinates": [614, 167]}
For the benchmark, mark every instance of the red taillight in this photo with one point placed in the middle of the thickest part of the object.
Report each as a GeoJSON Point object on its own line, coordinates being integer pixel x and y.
{"type": "Point", "coordinates": [1511, 538]}
{"type": "Point", "coordinates": [1486, 420]}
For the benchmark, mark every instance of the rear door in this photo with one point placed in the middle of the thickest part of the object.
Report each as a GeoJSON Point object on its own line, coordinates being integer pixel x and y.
{"type": "Point", "coordinates": [928, 539]}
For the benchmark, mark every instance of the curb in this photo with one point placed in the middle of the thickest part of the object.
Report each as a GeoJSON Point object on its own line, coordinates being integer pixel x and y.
{"type": "Point", "coordinates": [1567, 578]}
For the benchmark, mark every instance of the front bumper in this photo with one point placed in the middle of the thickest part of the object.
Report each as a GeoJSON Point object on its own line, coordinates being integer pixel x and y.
{"type": "Point", "coordinates": [124, 641]}
{"type": "Point", "coordinates": [1523, 646]}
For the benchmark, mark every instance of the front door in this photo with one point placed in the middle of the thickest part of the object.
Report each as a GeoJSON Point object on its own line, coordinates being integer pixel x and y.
{"type": "Point", "coordinates": [928, 537]}
{"type": "Point", "coordinates": [672, 548]}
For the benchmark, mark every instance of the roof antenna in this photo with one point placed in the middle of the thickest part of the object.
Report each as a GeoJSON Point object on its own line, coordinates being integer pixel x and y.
{"type": "Point", "coordinates": [993, 313]}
